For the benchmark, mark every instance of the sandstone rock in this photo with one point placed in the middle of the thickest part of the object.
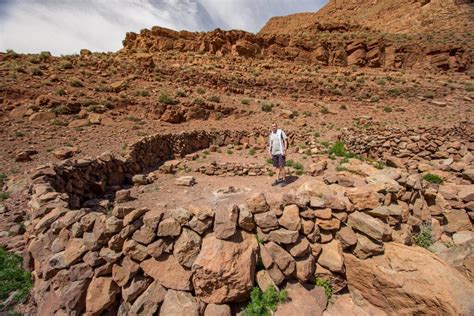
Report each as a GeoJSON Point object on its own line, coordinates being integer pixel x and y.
{"type": "Point", "coordinates": [300, 248]}
{"type": "Point", "coordinates": [133, 215]}
{"type": "Point", "coordinates": [463, 237]}
{"type": "Point", "coordinates": [148, 302]}
{"type": "Point", "coordinates": [144, 235]}
{"type": "Point", "coordinates": [305, 268]}
{"type": "Point", "coordinates": [42, 116]}
{"type": "Point", "coordinates": [64, 152]}
{"type": "Point", "coordinates": [264, 280]}
{"type": "Point", "coordinates": [345, 305]}
{"type": "Point", "coordinates": [283, 236]}
{"type": "Point", "coordinates": [74, 251]}
{"type": "Point", "coordinates": [363, 198]}
{"type": "Point", "coordinates": [402, 282]}
{"type": "Point", "coordinates": [217, 310]}
{"type": "Point", "coordinates": [291, 218]}
{"type": "Point", "coordinates": [331, 256]}
{"type": "Point", "coordinates": [457, 220]}
{"type": "Point", "coordinates": [283, 259]}
{"type": "Point", "coordinates": [246, 220]}
{"type": "Point", "coordinates": [346, 237]}
{"type": "Point", "coordinates": [331, 224]}
{"type": "Point", "coordinates": [301, 302]}
{"type": "Point", "coordinates": [177, 303]}
{"type": "Point", "coordinates": [167, 270]}
{"type": "Point", "coordinates": [169, 227]}
{"type": "Point", "coordinates": [368, 225]}
{"type": "Point", "coordinates": [134, 288]}
{"type": "Point", "coordinates": [367, 248]}
{"type": "Point", "coordinates": [122, 273]}
{"type": "Point", "coordinates": [467, 193]}
{"type": "Point", "coordinates": [134, 250]}
{"type": "Point", "coordinates": [101, 294]}
{"type": "Point", "coordinates": [122, 196]}
{"type": "Point", "coordinates": [187, 181]}
{"type": "Point", "coordinates": [224, 269]}
{"type": "Point", "coordinates": [266, 219]}
{"type": "Point", "coordinates": [225, 222]}
{"type": "Point", "coordinates": [186, 247]}
{"type": "Point", "coordinates": [258, 203]}
{"type": "Point", "coordinates": [139, 179]}
{"type": "Point", "coordinates": [152, 218]}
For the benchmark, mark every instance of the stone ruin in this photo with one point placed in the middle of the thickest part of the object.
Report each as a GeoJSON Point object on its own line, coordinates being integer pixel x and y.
{"type": "Point", "coordinates": [91, 254]}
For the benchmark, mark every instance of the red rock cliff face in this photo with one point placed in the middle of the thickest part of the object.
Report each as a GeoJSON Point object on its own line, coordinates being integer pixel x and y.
{"type": "Point", "coordinates": [323, 44]}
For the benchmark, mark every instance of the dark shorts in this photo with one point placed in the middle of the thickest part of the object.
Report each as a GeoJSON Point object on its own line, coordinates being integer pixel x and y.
{"type": "Point", "coordinates": [278, 161]}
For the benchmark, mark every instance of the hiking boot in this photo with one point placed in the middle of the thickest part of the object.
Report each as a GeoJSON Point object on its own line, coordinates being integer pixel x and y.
{"type": "Point", "coordinates": [276, 182]}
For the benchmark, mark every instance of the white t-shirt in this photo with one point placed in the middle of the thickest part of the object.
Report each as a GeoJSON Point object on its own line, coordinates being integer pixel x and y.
{"type": "Point", "coordinates": [276, 142]}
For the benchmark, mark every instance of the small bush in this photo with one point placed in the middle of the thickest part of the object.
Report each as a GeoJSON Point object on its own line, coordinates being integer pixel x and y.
{"type": "Point", "coordinates": [252, 151]}
{"type": "Point", "coordinates": [264, 303]}
{"type": "Point", "coordinates": [166, 99]}
{"type": "Point", "coordinates": [61, 110]}
{"type": "Point", "coordinates": [379, 165]}
{"type": "Point", "coordinates": [326, 284]}
{"type": "Point", "coordinates": [338, 149]}
{"type": "Point", "coordinates": [36, 72]}
{"type": "Point", "coordinates": [267, 107]}
{"type": "Point", "coordinates": [374, 98]}
{"type": "Point", "coordinates": [60, 91]}
{"type": "Point", "coordinates": [245, 101]}
{"type": "Point", "coordinates": [199, 101]}
{"type": "Point", "coordinates": [181, 94]}
{"type": "Point", "coordinates": [76, 83]}
{"type": "Point", "coordinates": [214, 98]}
{"type": "Point", "coordinates": [432, 178]}
{"type": "Point", "coordinates": [381, 82]}
{"type": "Point", "coordinates": [424, 237]}
{"type": "Point", "coordinates": [429, 95]}
{"type": "Point", "coordinates": [59, 122]}
{"type": "Point", "coordinates": [298, 166]}
{"type": "Point", "coordinates": [143, 93]}
{"type": "Point", "coordinates": [13, 279]}
{"type": "Point", "coordinates": [387, 109]}
{"type": "Point", "coordinates": [19, 134]}
{"type": "Point", "coordinates": [66, 65]}
{"type": "Point", "coordinates": [3, 177]}
{"type": "Point", "coordinates": [343, 107]}
{"type": "Point", "coordinates": [200, 90]}
{"type": "Point", "coordinates": [324, 110]}
{"type": "Point", "coordinates": [469, 87]}
{"type": "Point", "coordinates": [4, 196]}
{"type": "Point", "coordinates": [394, 92]}
{"type": "Point", "coordinates": [229, 151]}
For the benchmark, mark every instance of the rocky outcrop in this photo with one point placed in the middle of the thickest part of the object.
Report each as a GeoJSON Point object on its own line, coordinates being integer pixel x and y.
{"type": "Point", "coordinates": [409, 281]}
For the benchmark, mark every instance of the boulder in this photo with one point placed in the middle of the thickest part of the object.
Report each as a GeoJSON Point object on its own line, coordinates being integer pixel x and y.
{"type": "Point", "coordinates": [368, 225]}
{"type": "Point", "coordinates": [169, 227]}
{"type": "Point", "coordinates": [217, 310]}
{"type": "Point", "coordinates": [410, 280]}
{"type": "Point", "coordinates": [283, 259]}
{"type": "Point", "coordinates": [101, 294]}
{"type": "Point", "coordinates": [346, 237]}
{"type": "Point", "coordinates": [457, 220]}
{"type": "Point", "coordinates": [177, 303]}
{"type": "Point", "coordinates": [291, 218]}
{"type": "Point", "coordinates": [225, 222]}
{"type": "Point", "coordinates": [266, 220]}
{"type": "Point", "coordinates": [331, 256]}
{"type": "Point", "coordinates": [258, 203]}
{"type": "Point", "coordinates": [148, 302]}
{"type": "Point", "coordinates": [224, 269]}
{"type": "Point", "coordinates": [264, 280]}
{"type": "Point", "coordinates": [367, 247]}
{"type": "Point", "coordinates": [186, 247]}
{"type": "Point", "coordinates": [167, 270]}
{"type": "Point", "coordinates": [302, 302]}
{"type": "Point", "coordinates": [283, 236]}
{"type": "Point", "coordinates": [363, 198]}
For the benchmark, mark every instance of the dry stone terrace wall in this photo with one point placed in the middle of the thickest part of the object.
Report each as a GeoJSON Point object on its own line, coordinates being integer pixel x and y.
{"type": "Point", "coordinates": [106, 258]}
{"type": "Point", "coordinates": [421, 143]}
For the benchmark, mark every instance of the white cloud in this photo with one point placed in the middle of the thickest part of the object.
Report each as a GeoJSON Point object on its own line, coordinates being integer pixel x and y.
{"type": "Point", "coordinates": [66, 26]}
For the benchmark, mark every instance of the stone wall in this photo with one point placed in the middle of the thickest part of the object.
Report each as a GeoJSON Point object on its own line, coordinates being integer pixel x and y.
{"type": "Point", "coordinates": [414, 143]}
{"type": "Point", "coordinates": [91, 253]}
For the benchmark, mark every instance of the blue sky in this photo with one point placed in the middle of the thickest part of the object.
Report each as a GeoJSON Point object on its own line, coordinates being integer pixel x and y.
{"type": "Point", "coordinates": [66, 26]}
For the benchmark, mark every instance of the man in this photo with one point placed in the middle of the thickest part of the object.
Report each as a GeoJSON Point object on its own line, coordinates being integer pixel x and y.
{"type": "Point", "coordinates": [277, 148]}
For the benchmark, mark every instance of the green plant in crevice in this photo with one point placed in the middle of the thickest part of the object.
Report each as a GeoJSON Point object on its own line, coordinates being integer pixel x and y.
{"type": "Point", "coordinates": [264, 303]}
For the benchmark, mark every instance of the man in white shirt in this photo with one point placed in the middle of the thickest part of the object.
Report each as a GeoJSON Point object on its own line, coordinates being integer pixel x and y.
{"type": "Point", "coordinates": [277, 147]}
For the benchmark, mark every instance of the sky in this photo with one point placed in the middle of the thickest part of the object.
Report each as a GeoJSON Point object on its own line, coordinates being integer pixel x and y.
{"type": "Point", "coordinates": [66, 26]}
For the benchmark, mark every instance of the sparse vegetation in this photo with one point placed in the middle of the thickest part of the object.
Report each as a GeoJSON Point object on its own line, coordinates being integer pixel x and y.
{"type": "Point", "coordinates": [264, 303]}
{"type": "Point", "coordinates": [14, 281]}
{"type": "Point", "coordinates": [387, 109]}
{"type": "Point", "coordinates": [59, 122]}
{"type": "Point", "coordinates": [245, 101]}
{"type": "Point", "coordinates": [60, 91]}
{"type": "Point", "coordinates": [326, 284]}
{"type": "Point", "coordinates": [374, 98]}
{"type": "Point", "coordinates": [214, 98]}
{"type": "Point", "coordinates": [76, 83]}
{"type": "Point", "coordinates": [432, 178]}
{"type": "Point", "coordinates": [199, 101]}
{"type": "Point", "coordinates": [267, 107]}
{"type": "Point", "coordinates": [424, 237]}
{"type": "Point", "coordinates": [164, 98]}
{"type": "Point", "coordinates": [324, 110]}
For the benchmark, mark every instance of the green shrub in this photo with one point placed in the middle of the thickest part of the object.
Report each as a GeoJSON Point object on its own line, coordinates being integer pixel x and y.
{"type": "Point", "coordinates": [4, 195]}
{"type": "Point", "coordinates": [181, 94]}
{"type": "Point", "coordinates": [229, 151]}
{"type": "Point", "coordinates": [214, 98]}
{"type": "Point", "coordinates": [264, 303]}
{"type": "Point", "coordinates": [374, 98]}
{"type": "Point", "coordinates": [267, 107]}
{"type": "Point", "coordinates": [394, 92]}
{"type": "Point", "coordinates": [379, 165]}
{"type": "Point", "coordinates": [13, 279]}
{"type": "Point", "coordinates": [60, 110]}
{"type": "Point", "coordinates": [326, 284]}
{"type": "Point", "coordinates": [3, 177]}
{"type": "Point", "coordinates": [245, 101]}
{"type": "Point", "coordinates": [199, 101]}
{"type": "Point", "coordinates": [66, 65]}
{"type": "Point", "coordinates": [298, 166]}
{"type": "Point", "coordinates": [252, 151]}
{"type": "Point", "coordinates": [36, 71]}
{"type": "Point", "coordinates": [429, 95]}
{"type": "Point", "coordinates": [381, 82]}
{"type": "Point", "coordinates": [142, 93]}
{"type": "Point", "coordinates": [338, 149]}
{"type": "Point", "coordinates": [200, 90]}
{"type": "Point", "coordinates": [76, 83]}
{"type": "Point", "coordinates": [59, 122]}
{"type": "Point", "coordinates": [60, 91]}
{"type": "Point", "coordinates": [433, 178]}
{"type": "Point", "coordinates": [387, 109]}
{"type": "Point", "coordinates": [324, 110]}
{"type": "Point", "coordinates": [469, 87]}
{"type": "Point", "coordinates": [166, 99]}
{"type": "Point", "coordinates": [424, 237]}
